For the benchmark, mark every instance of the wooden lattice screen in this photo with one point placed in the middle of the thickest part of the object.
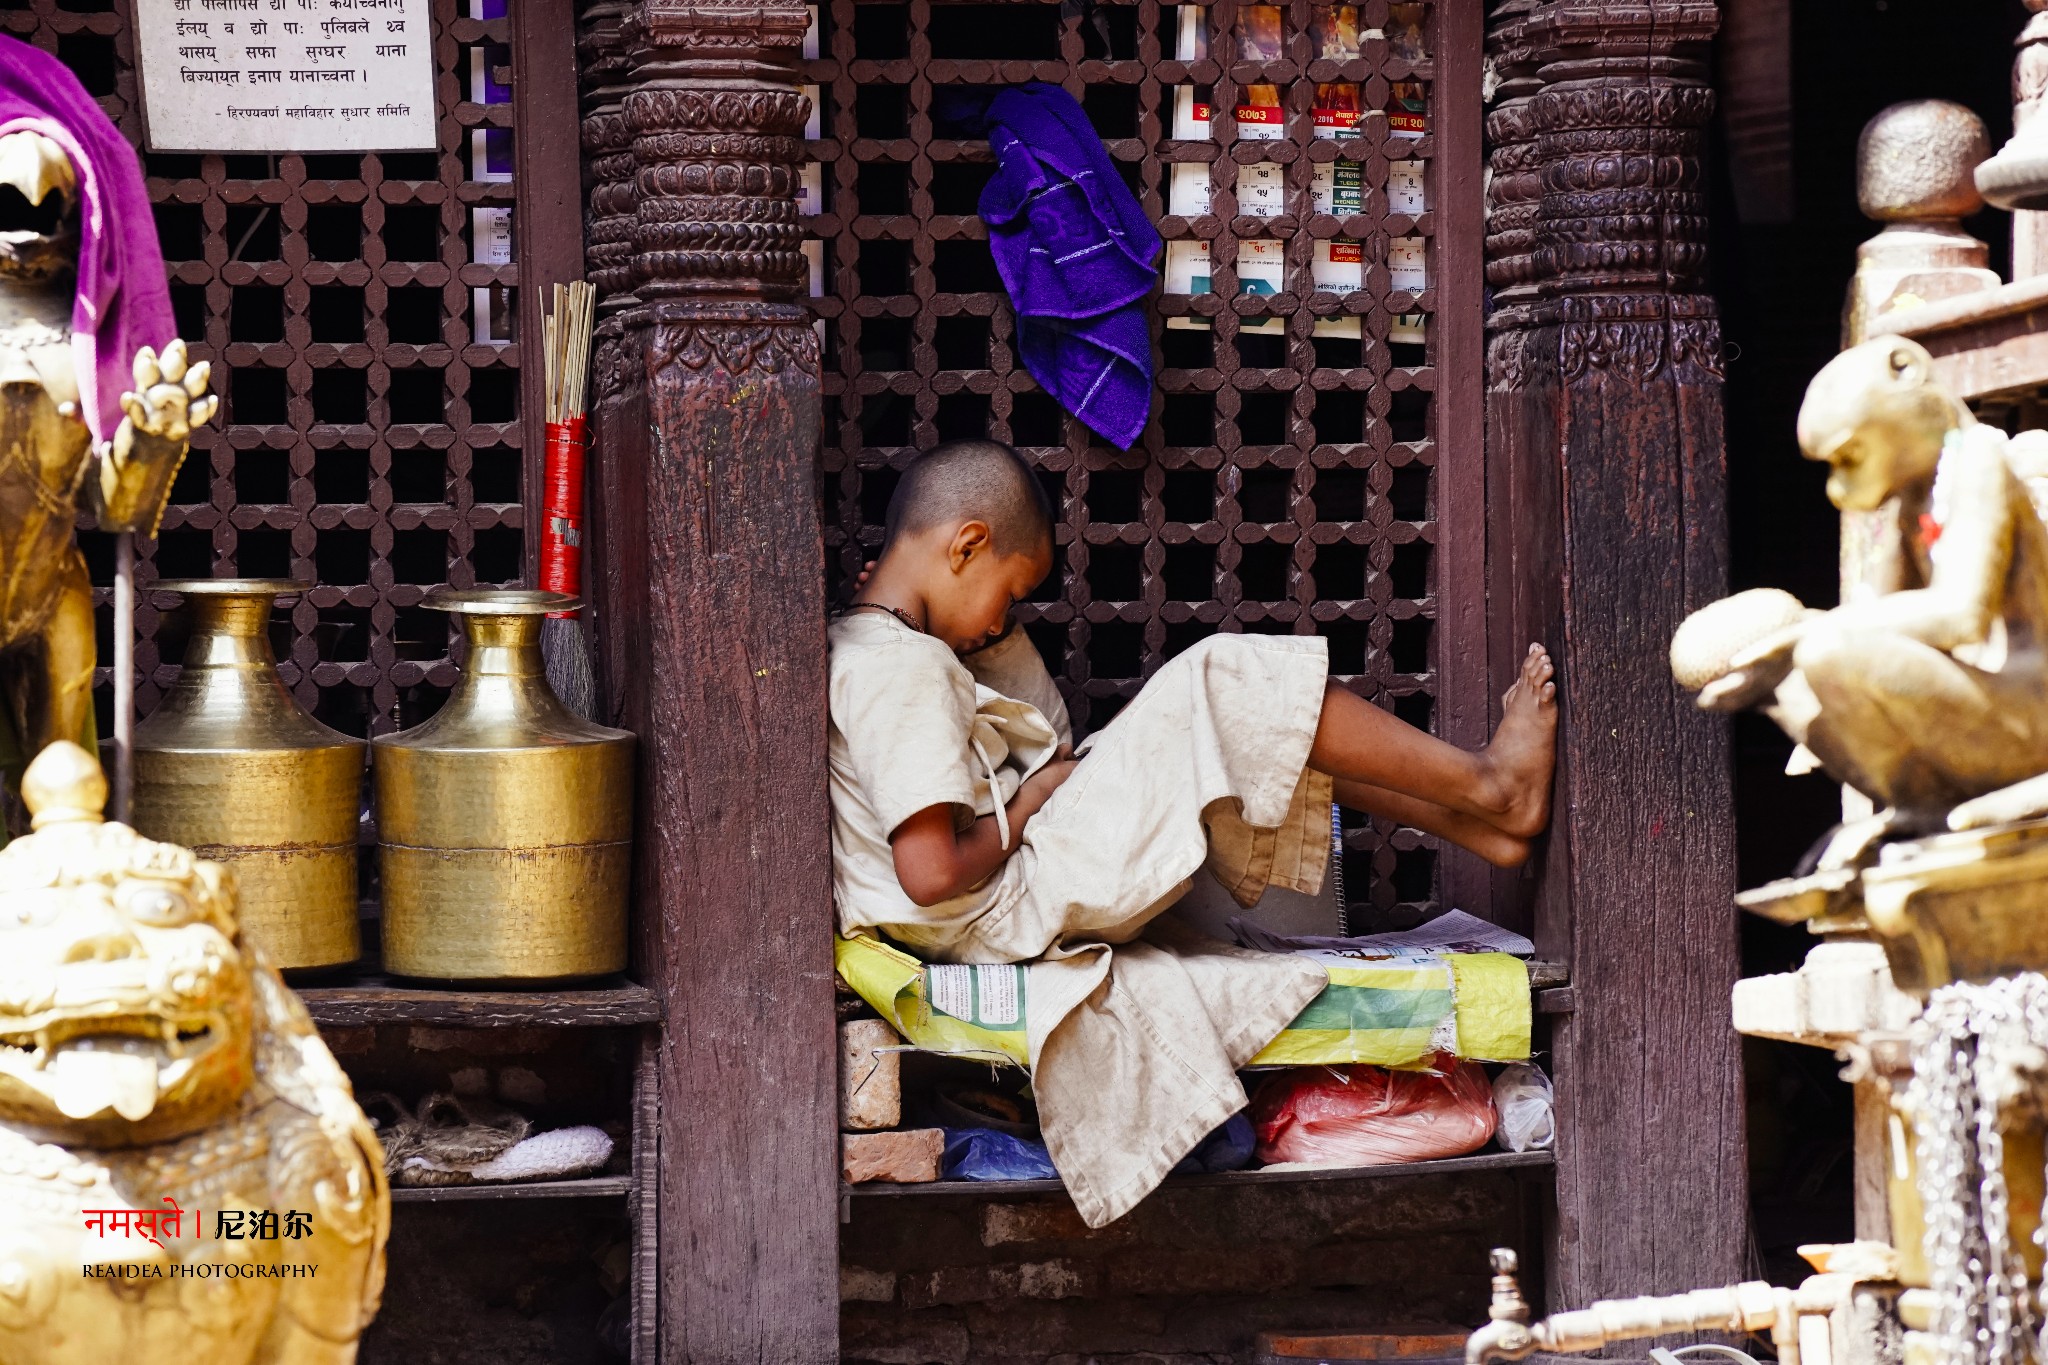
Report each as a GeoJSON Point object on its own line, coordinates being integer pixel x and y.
{"type": "Point", "coordinates": [368, 442]}
{"type": "Point", "coordinates": [1290, 482]}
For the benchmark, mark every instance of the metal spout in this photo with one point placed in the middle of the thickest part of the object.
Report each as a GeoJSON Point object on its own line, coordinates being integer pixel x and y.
{"type": "Point", "coordinates": [1749, 1307]}
{"type": "Point", "coordinates": [1508, 1336]}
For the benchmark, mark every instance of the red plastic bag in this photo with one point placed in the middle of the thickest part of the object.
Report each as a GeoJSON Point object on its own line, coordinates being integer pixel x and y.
{"type": "Point", "coordinates": [1368, 1116]}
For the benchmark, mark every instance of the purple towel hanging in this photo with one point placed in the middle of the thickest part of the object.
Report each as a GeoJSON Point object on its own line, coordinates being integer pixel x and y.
{"type": "Point", "coordinates": [1078, 257]}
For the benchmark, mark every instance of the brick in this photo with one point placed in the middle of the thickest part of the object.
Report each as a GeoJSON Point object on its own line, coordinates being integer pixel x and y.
{"type": "Point", "coordinates": [869, 1336]}
{"type": "Point", "coordinates": [1050, 1280]}
{"type": "Point", "coordinates": [870, 1080]}
{"type": "Point", "coordinates": [858, 1284]}
{"type": "Point", "coordinates": [1013, 1224]}
{"type": "Point", "coordinates": [908, 1156]}
{"type": "Point", "coordinates": [960, 1284]}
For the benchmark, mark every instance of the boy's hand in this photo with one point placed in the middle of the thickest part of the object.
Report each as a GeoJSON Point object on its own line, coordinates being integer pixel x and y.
{"type": "Point", "coordinates": [936, 862]}
{"type": "Point", "coordinates": [1038, 788]}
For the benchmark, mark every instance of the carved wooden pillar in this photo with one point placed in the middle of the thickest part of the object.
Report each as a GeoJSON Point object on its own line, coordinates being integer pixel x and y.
{"type": "Point", "coordinates": [708, 417]}
{"type": "Point", "coordinates": [1606, 469]}
{"type": "Point", "coordinates": [608, 217]}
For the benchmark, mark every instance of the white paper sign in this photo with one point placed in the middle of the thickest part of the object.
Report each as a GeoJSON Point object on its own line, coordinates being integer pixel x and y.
{"type": "Point", "coordinates": [287, 75]}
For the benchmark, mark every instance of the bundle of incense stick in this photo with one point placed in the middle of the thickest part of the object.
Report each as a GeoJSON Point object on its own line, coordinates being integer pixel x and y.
{"type": "Point", "coordinates": [567, 342]}
{"type": "Point", "coordinates": [566, 362]}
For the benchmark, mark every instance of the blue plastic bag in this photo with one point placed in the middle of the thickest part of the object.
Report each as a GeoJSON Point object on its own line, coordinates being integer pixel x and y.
{"type": "Point", "coordinates": [1228, 1148]}
{"type": "Point", "coordinates": [985, 1154]}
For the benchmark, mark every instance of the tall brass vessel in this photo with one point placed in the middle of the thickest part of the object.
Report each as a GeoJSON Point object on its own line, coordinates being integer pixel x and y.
{"type": "Point", "coordinates": [231, 766]}
{"type": "Point", "coordinates": [505, 821]}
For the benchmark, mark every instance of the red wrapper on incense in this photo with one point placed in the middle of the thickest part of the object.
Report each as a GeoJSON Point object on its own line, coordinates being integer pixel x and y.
{"type": "Point", "coordinates": [561, 533]}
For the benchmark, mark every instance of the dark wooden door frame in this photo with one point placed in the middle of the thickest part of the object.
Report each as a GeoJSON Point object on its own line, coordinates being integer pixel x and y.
{"type": "Point", "coordinates": [1605, 522]}
{"type": "Point", "coordinates": [709, 590]}
{"type": "Point", "coordinates": [1606, 501]}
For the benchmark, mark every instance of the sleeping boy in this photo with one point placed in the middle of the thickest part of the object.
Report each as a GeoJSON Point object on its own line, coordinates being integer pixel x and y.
{"type": "Point", "coordinates": [965, 826]}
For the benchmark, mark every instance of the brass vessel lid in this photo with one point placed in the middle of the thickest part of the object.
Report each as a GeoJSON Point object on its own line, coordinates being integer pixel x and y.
{"type": "Point", "coordinates": [231, 587]}
{"type": "Point", "coordinates": [500, 601]}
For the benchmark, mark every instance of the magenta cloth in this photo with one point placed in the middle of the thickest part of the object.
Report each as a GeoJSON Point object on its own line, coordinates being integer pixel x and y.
{"type": "Point", "coordinates": [1077, 255]}
{"type": "Point", "coordinates": [124, 299]}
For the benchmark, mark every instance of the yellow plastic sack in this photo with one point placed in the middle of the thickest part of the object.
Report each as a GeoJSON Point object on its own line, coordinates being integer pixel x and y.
{"type": "Point", "coordinates": [1384, 1013]}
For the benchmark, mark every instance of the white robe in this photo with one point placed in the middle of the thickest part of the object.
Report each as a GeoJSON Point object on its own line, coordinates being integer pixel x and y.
{"type": "Point", "coordinates": [1136, 1029]}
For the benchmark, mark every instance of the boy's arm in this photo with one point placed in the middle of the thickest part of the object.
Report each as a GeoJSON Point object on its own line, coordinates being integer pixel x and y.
{"type": "Point", "coordinates": [936, 862]}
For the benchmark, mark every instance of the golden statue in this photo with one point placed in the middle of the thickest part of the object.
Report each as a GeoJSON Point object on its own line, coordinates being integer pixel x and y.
{"type": "Point", "coordinates": [184, 1168]}
{"type": "Point", "coordinates": [1936, 692]}
{"type": "Point", "coordinates": [47, 459]}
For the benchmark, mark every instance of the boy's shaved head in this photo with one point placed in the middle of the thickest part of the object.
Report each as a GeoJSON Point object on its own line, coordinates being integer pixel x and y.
{"type": "Point", "coordinates": [974, 481]}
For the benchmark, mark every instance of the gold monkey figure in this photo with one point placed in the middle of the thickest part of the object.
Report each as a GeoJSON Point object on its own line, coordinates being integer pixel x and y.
{"type": "Point", "coordinates": [1932, 694]}
{"type": "Point", "coordinates": [151, 1061]}
{"type": "Point", "coordinates": [47, 463]}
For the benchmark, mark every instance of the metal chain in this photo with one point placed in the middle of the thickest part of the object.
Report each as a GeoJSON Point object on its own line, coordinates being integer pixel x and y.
{"type": "Point", "coordinates": [1977, 1050]}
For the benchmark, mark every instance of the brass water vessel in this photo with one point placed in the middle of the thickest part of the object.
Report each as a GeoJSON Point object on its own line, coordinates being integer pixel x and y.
{"type": "Point", "coordinates": [232, 767]}
{"type": "Point", "coordinates": [505, 821]}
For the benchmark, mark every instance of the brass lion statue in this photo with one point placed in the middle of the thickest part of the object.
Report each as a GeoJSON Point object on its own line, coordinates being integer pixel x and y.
{"type": "Point", "coordinates": [185, 1171]}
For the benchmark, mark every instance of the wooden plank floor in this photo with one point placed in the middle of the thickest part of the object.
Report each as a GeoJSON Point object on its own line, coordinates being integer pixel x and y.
{"type": "Point", "coordinates": [1457, 1165]}
{"type": "Point", "coordinates": [595, 1187]}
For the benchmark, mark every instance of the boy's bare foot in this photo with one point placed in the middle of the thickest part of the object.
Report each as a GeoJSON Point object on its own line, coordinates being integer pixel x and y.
{"type": "Point", "coordinates": [1496, 846]}
{"type": "Point", "coordinates": [1523, 751]}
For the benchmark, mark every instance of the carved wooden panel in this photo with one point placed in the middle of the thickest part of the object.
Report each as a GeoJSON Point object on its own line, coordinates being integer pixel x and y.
{"type": "Point", "coordinates": [368, 442]}
{"type": "Point", "coordinates": [1289, 482]}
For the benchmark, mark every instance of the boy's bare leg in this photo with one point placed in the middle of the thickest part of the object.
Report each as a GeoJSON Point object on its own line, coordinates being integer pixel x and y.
{"type": "Point", "coordinates": [1466, 831]}
{"type": "Point", "coordinates": [1506, 784]}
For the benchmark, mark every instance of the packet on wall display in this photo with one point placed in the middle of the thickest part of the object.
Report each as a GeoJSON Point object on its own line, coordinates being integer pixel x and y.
{"type": "Point", "coordinates": [492, 306]}
{"type": "Point", "coordinates": [1405, 188]}
{"type": "Point", "coordinates": [1339, 269]}
{"type": "Point", "coordinates": [1408, 264]}
{"type": "Point", "coordinates": [1261, 266]}
{"type": "Point", "coordinates": [1187, 272]}
{"type": "Point", "coordinates": [1338, 188]}
{"type": "Point", "coordinates": [1262, 269]}
{"type": "Point", "coordinates": [1187, 191]}
{"type": "Point", "coordinates": [1339, 266]}
{"type": "Point", "coordinates": [1191, 113]}
{"type": "Point", "coordinates": [1407, 110]}
{"type": "Point", "coordinates": [1262, 190]}
{"type": "Point", "coordinates": [810, 189]}
{"type": "Point", "coordinates": [490, 149]}
{"type": "Point", "coordinates": [1261, 118]}
{"type": "Point", "coordinates": [814, 258]}
{"type": "Point", "coordinates": [1408, 269]}
{"type": "Point", "coordinates": [1404, 32]}
{"type": "Point", "coordinates": [1258, 33]}
{"type": "Point", "coordinates": [1335, 31]}
{"type": "Point", "coordinates": [1337, 109]}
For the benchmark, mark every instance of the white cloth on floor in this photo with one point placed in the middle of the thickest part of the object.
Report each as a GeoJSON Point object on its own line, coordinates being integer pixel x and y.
{"type": "Point", "coordinates": [1135, 1030]}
